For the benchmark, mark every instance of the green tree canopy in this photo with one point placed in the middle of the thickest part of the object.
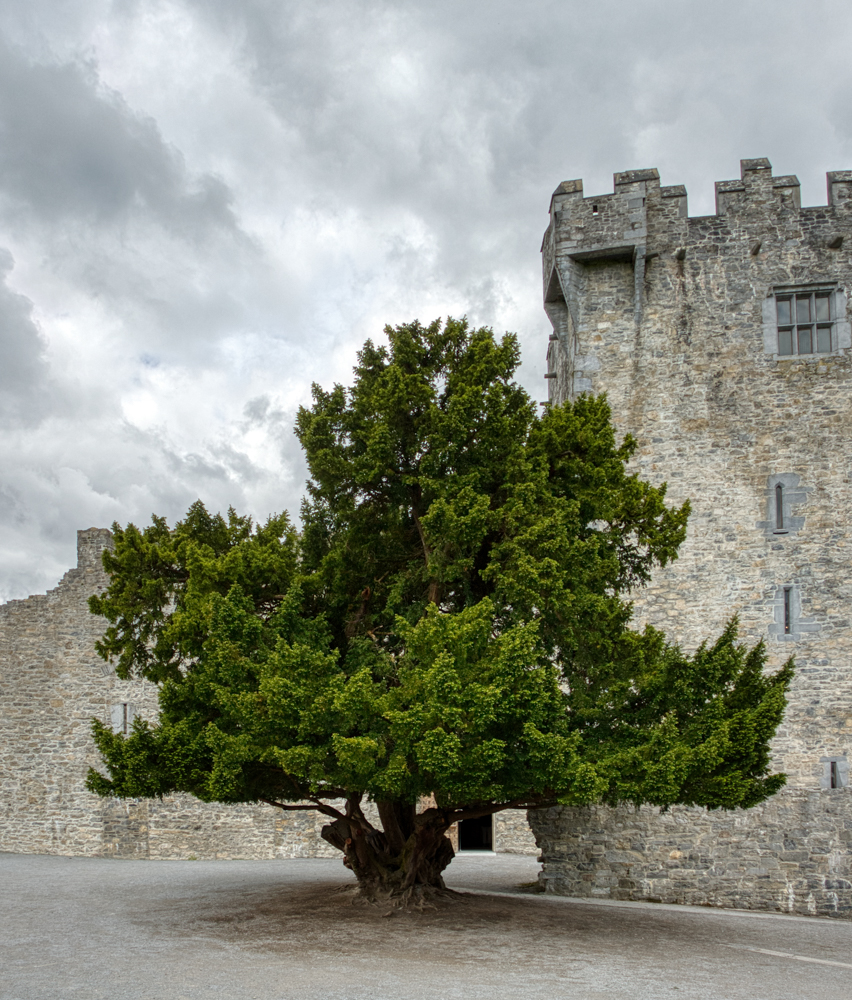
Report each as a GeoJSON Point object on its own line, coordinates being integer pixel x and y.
{"type": "Point", "coordinates": [452, 622]}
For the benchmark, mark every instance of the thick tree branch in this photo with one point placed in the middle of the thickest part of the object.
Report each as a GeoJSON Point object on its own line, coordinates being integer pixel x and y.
{"type": "Point", "coordinates": [479, 809]}
{"type": "Point", "coordinates": [315, 806]}
{"type": "Point", "coordinates": [287, 807]}
{"type": "Point", "coordinates": [328, 810]}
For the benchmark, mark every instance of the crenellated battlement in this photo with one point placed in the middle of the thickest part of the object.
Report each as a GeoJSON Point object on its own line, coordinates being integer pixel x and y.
{"type": "Point", "coordinates": [638, 190]}
{"type": "Point", "coordinates": [759, 217]}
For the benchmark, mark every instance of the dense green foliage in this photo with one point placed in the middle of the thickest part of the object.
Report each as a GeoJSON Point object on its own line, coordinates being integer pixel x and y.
{"type": "Point", "coordinates": [452, 619]}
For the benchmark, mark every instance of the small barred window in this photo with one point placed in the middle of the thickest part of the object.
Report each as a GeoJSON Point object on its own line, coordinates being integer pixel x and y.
{"type": "Point", "coordinates": [805, 322]}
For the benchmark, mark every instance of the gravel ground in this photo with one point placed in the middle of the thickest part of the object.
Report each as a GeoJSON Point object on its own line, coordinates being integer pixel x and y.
{"type": "Point", "coordinates": [95, 928]}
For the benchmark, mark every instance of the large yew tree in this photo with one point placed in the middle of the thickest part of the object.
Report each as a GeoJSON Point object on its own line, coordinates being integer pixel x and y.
{"type": "Point", "coordinates": [448, 635]}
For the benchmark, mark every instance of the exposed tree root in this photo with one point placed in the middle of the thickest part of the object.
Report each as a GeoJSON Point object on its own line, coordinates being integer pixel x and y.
{"type": "Point", "coordinates": [417, 898]}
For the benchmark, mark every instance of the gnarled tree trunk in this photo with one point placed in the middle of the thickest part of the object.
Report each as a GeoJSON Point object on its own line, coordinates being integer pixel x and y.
{"type": "Point", "coordinates": [401, 862]}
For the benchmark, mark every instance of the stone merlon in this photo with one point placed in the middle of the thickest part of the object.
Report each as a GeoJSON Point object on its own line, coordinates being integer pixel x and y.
{"type": "Point", "coordinates": [641, 213]}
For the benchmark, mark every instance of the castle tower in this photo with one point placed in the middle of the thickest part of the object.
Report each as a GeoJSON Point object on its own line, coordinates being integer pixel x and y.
{"type": "Point", "coordinates": [724, 345]}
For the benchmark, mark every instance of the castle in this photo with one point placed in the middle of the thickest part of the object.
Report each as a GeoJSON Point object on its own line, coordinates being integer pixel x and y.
{"type": "Point", "coordinates": [724, 345]}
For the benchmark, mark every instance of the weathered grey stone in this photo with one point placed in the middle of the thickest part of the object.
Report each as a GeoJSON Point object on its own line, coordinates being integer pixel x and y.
{"type": "Point", "coordinates": [689, 358]}
{"type": "Point", "coordinates": [790, 854]}
{"type": "Point", "coordinates": [52, 684]}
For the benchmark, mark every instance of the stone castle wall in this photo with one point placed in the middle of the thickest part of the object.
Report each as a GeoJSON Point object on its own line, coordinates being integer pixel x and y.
{"type": "Point", "coordinates": [52, 684]}
{"type": "Point", "coordinates": [675, 319]}
{"type": "Point", "coordinates": [792, 853]}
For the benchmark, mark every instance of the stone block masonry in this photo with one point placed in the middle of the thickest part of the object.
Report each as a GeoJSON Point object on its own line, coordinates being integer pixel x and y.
{"type": "Point", "coordinates": [790, 854]}
{"type": "Point", "coordinates": [724, 345]}
{"type": "Point", "coordinates": [52, 684]}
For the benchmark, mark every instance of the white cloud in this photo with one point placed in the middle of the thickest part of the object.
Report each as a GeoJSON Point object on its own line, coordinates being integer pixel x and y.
{"type": "Point", "coordinates": [209, 205]}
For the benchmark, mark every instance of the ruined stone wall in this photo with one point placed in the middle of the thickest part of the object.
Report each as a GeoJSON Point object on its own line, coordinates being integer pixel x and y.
{"type": "Point", "coordinates": [512, 833]}
{"type": "Point", "coordinates": [52, 684]}
{"type": "Point", "coordinates": [790, 854]}
{"type": "Point", "coordinates": [675, 319]}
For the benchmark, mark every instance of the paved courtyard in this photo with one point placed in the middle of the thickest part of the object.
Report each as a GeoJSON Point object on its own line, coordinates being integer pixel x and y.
{"type": "Point", "coordinates": [181, 930]}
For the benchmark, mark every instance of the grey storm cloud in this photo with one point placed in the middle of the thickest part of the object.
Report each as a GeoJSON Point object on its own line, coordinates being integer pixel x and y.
{"type": "Point", "coordinates": [210, 205]}
{"type": "Point", "coordinates": [25, 390]}
{"type": "Point", "coordinates": [72, 147]}
{"type": "Point", "coordinates": [114, 207]}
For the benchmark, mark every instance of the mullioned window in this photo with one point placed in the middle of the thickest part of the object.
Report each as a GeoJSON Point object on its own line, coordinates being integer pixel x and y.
{"type": "Point", "coordinates": [805, 321]}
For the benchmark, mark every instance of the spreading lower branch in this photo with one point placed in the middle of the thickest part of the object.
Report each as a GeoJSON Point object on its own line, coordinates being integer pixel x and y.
{"type": "Point", "coordinates": [355, 815]}
{"type": "Point", "coordinates": [486, 809]}
{"type": "Point", "coordinates": [286, 805]}
{"type": "Point", "coordinates": [315, 806]}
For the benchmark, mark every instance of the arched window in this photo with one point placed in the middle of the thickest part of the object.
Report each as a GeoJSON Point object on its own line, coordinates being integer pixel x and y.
{"type": "Point", "coordinates": [779, 507]}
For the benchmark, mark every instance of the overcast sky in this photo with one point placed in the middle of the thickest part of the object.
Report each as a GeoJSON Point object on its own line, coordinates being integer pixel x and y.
{"type": "Point", "coordinates": [205, 205]}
